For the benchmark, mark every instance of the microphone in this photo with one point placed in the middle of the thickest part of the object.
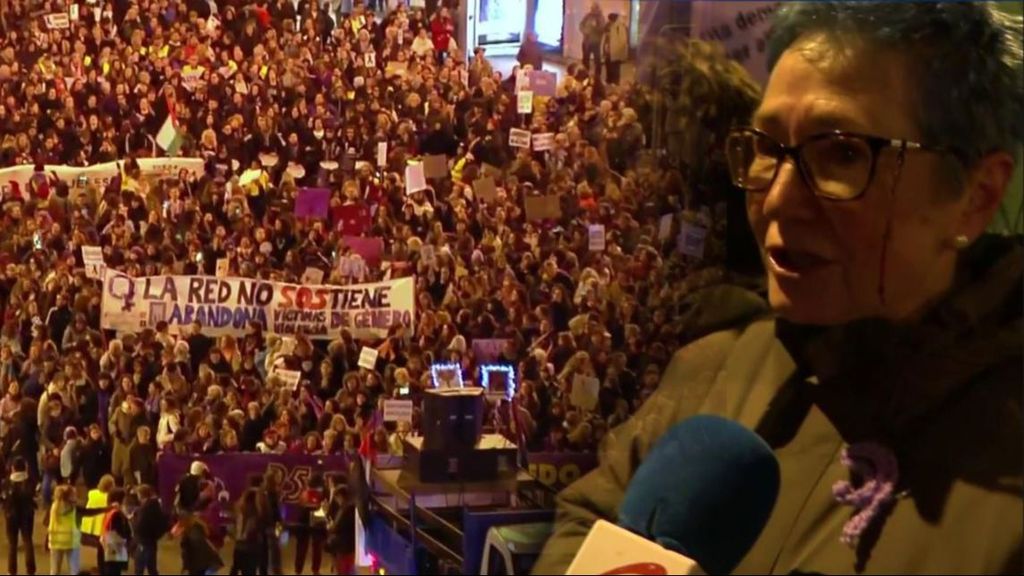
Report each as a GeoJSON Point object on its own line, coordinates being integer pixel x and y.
{"type": "Point", "coordinates": [695, 505]}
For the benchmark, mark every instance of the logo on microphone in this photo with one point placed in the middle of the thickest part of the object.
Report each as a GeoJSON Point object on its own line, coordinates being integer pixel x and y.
{"type": "Point", "coordinates": [640, 569]}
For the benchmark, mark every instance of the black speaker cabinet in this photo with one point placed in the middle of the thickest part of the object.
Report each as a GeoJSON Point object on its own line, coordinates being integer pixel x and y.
{"type": "Point", "coordinates": [493, 459]}
{"type": "Point", "coordinates": [452, 419]}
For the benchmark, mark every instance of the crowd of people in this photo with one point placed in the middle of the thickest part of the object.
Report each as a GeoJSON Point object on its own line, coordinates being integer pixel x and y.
{"type": "Point", "coordinates": [304, 94]}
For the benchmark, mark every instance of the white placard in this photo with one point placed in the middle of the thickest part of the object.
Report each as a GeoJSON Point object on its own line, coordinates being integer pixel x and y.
{"type": "Point", "coordinates": [415, 179]}
{"type": "Point", "coordinates": [312, 276]}
{"type": "Point", "coordinates": [288, 344]}
{"type": "Point", "coordinates": [665, 227]}
{"type": "Point", "coordinates": [370, 59]}
{"type": "Point", "coordinates": [92, 258]}
{"type": "Point", "coordinates": [691, 240]}
{"type": "Point", "coordinates": [525, 102]}
{"type": "Point", "coordinates": [223, 267]}
{"type": "Point", "coordinates": [73, 12]}
{"type": "Point", "coordinates": [609, 549]}
{"type": "Point", "coordinates": [368, 358]}
{"type": "Point", "coordinates": [542, 142]}
{"type": "Point", "coordinates": [289, 378]}
{"type": "Point", "coordinates": [585, 390]}
{"type": "Point", "coordinates": [58, 21]}
{"type": "Point", "coordinates": [398, 411]}
{"type": "Point", "coordinates": [595, 233]}
{"type": "Point", "coordinates": [519, 138]}
{"type": "Point", "coordinates": [382, 154]}
{"type": "Point", "coordinates": [522, 81]}
{"type": "Point", "coordinates": [428, 254]}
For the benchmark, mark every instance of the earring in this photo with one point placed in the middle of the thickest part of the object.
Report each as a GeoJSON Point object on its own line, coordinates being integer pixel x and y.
{"type": "Point", "coordinates": [961, 241]}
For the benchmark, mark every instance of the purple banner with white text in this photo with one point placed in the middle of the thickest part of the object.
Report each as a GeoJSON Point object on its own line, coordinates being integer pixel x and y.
{"type": "Point", "coordinates": [233, 473]}
{"type": "Point", "coordinates": [559, 469]}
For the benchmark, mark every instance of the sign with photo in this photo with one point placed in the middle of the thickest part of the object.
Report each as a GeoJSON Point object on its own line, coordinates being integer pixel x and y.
{"type": "Point", "coordinates": [519, 138]}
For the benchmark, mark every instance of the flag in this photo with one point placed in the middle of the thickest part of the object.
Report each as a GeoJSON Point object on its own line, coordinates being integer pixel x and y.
{"type": "Point", "coordinates": [352, 220]}
{"type": "Point", "coordinates": [169, 138]}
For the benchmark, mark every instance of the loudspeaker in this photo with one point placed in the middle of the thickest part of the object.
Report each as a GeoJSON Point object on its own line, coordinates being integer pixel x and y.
{"type": "Point", "coordinates": [493, 459]}
{"type": "Point", "coordinates": [452, 419]}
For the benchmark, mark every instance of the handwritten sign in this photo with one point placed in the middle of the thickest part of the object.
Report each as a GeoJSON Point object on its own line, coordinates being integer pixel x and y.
{"type": "Point", "coordinates": [368, 358]}
{"type": "Point", "coordinates": [289, 378]}
{"type": "Point", "coordinates": [223, 267]}
{"type": "Point", "coordinates": [92, 258]}
{"type": "Point", "coordinates": [382, 154]}
{"type": "Point", "coordinates": [519, 138]}
{"type": "Point", "coordinates": [398, 411]}
{"type": "Point", "coordinates": [312, 276]}
{"type": "Point", "coordinates": [58, 21]}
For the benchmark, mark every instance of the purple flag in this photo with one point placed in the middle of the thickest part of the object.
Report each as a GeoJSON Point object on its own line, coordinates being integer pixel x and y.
{"type": "Point", "coordinates": [312, 203]}
{"type": "Point", "coordinates": [543, 83]}
{"type": "Point", "coordinates": [371, 248]}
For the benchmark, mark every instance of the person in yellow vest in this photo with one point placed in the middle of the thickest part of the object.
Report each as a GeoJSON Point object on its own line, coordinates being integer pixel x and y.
{"type": "Point", "coordinates": [116, 532]}
{"type": "Point", "coordinates": [92, 527]}
{"type": "Point", "coordinates": [63, 533]}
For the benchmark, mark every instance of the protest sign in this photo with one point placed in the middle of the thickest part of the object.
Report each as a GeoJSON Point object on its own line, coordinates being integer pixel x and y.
{"type": "Point", "coordinates": [542, 83]}
{"type": "Point", "coordinates": [227, 305]}
{"type": "Point", "coordinates": [524, 102]}
{"type": "Point", "coordinates": [371, 249]}
{"type": "Point", "coordinates": [223, 267]}
{"type": "Point", "coordinates": [428, 254]}
{"type": "Point", "coordinates": [435, 166]}
{"type": "Point", "coordinates": [519, 138]}
{"type": "Point", "coordinates": [398, 411]}
{"type": "Point", "coordinates": [691, 240]}
{"type": "Point", "coordinates": [382, 154]}
{"type": "Point", "coordinates": [370, 59]}
{"type": "Point", "coordinates": [98, 175]}
{"type": "Point", "coordinates": [352, 220]}
{"type": "Point", "coordinates": [542, 208]}
{"type": "Point", "coordinates": [585, 390]}
{"type": "Point", "coordinates": [485, 189]}
{"type": "Point", "coordinates": [368, 358]}
{"type": "Point", "coordinates": [596, 238]}
{"type": "Point", "coordinates": [58, 21]}
{"type": "Point", "coordinates": [289, 378]}
{"type": "Point", "coordinates": [415, 178]}
{"type": "Point", "coordinates": [312, 202]}
{"type": "Point", "coordinates": [92, 258]}
{"type": "Point", "coordinates": [665, 227]}
{"type": "Point", "coordinates": [542, 142]}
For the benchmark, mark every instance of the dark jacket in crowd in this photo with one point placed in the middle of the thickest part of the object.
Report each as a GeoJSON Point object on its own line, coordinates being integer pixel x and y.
{"type": "Point", "coordinates": [150, 522]}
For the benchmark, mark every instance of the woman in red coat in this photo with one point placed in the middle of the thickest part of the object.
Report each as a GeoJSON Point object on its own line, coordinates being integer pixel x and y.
{"type": "Point", "coordinates": [441, 29]}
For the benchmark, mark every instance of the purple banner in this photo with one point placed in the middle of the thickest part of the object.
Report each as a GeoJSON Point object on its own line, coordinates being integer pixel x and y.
{"type": "Point", "coordinates": [233, 472]}
{"type": "Point", "coordinates": [312, 202]}
{"type": "Point", "coordinates": [488, 349]}
{"type": "Point", "coordinates": [543, 83]}
{"type": "Point", "coordinates": [559, 469]}
{"type": "Point", "coordinates": [371, 249]}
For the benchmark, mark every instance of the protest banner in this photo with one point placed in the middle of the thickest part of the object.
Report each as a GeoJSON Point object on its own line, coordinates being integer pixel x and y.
{"type": "Point", "coordinates": [435, 166]}
{"type": "Point", "coordinates": [519, 138]}
{"type": "Point", "coordinates": [92, 259]}
{"type": "Point", "coordinates": [485, 189]}
{"type": "Point", "coordinates": [227, 305]}
{"type": "Point", "coordinates": [585, 390]}
{"type": "Point", "coordinates": [488, 349]}
{"type": "Point", "coordinates": [368, 357]}
{"type": "Point", "coordinates": [415, 178]}
{"type": "Point", "coordinates": [398, 411]}
{"type": "Point", "coordinates": [233, 474]}
{"type": "Point", "coordinates": [596, 237]}
{"type": "Point", "coordinates": [542, 142]}
{"type": "Point", "coordinates": [312, 202]}
{"type": "Point", "coordinates": [524, 102]}
{"type": "Point", "coordinates": [560, 469]}
{"type": "Point", "coordinates": [542, 208]}
{"type": "Point", "coordinates": [99, 175]}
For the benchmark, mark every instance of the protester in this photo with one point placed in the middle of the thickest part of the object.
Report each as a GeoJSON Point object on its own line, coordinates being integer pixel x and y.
{"type": "Point", "coordinates": [116, 534]}
{"type": "Point", "coordinates": [149, 525]}
{"type": "Point", "coordinates": [19, 505]}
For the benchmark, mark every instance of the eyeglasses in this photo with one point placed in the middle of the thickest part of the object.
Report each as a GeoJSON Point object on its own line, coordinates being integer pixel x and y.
{"type": "Point", "coordinates": [835, 165]}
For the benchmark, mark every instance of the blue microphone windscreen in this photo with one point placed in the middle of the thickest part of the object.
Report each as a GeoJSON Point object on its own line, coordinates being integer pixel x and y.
{"type": "Point", "coordinates": [705, 490]}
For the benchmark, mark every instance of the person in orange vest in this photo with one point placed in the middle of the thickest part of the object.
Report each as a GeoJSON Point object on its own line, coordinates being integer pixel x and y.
{"type": "Point", "coordinates": [117, 531]}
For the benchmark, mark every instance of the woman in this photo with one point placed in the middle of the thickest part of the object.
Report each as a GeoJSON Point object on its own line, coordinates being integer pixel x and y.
{"type": "Point", "coordinates": [341, 525]}
{"type": "Point", "coordinates": [64, 537]}
{"type": "Point", "coordinates": [115, 534]}
{"type": "Point", "coordinates": [198, 555]}
{"type": "Point", "coordinates": [248, 533]}
{"type": "Point", "coordinates": [19, 507]}
{"type": "Point", "coordinates": [887, 377]}
{"type": "Point", "coordinates": [310, 529]}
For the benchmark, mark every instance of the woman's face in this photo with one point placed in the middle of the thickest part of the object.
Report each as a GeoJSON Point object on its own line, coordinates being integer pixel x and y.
{"type": "Point", "coordinates": [888, 252]}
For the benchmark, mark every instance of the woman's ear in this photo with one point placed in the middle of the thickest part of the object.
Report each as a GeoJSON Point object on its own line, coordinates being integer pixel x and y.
{"type": "Point", "coordinates": [986, 187]}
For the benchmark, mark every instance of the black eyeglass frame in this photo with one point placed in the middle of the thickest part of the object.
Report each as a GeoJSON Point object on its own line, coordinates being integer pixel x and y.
{"type": "Point", "coordinates": [875, 144]}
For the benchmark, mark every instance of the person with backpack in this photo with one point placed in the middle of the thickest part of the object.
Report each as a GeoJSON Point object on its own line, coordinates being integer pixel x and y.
{"type": "Point", "coordinates": [18, 496]}
{"type": "Point", "coordinates": [149, 524]}
{"type": "Point", "coordinates": [117, 531]}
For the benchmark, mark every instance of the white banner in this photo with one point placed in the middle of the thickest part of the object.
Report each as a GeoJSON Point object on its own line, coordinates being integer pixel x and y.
{"type": "Point", "coordinates": [97, 174]}
{"type": "Point", "coordinates": [229, 305]}
{"type": "Point", "coordinates": [519, 138]}
{"type": "Point", "coordinates": [741, 27]}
